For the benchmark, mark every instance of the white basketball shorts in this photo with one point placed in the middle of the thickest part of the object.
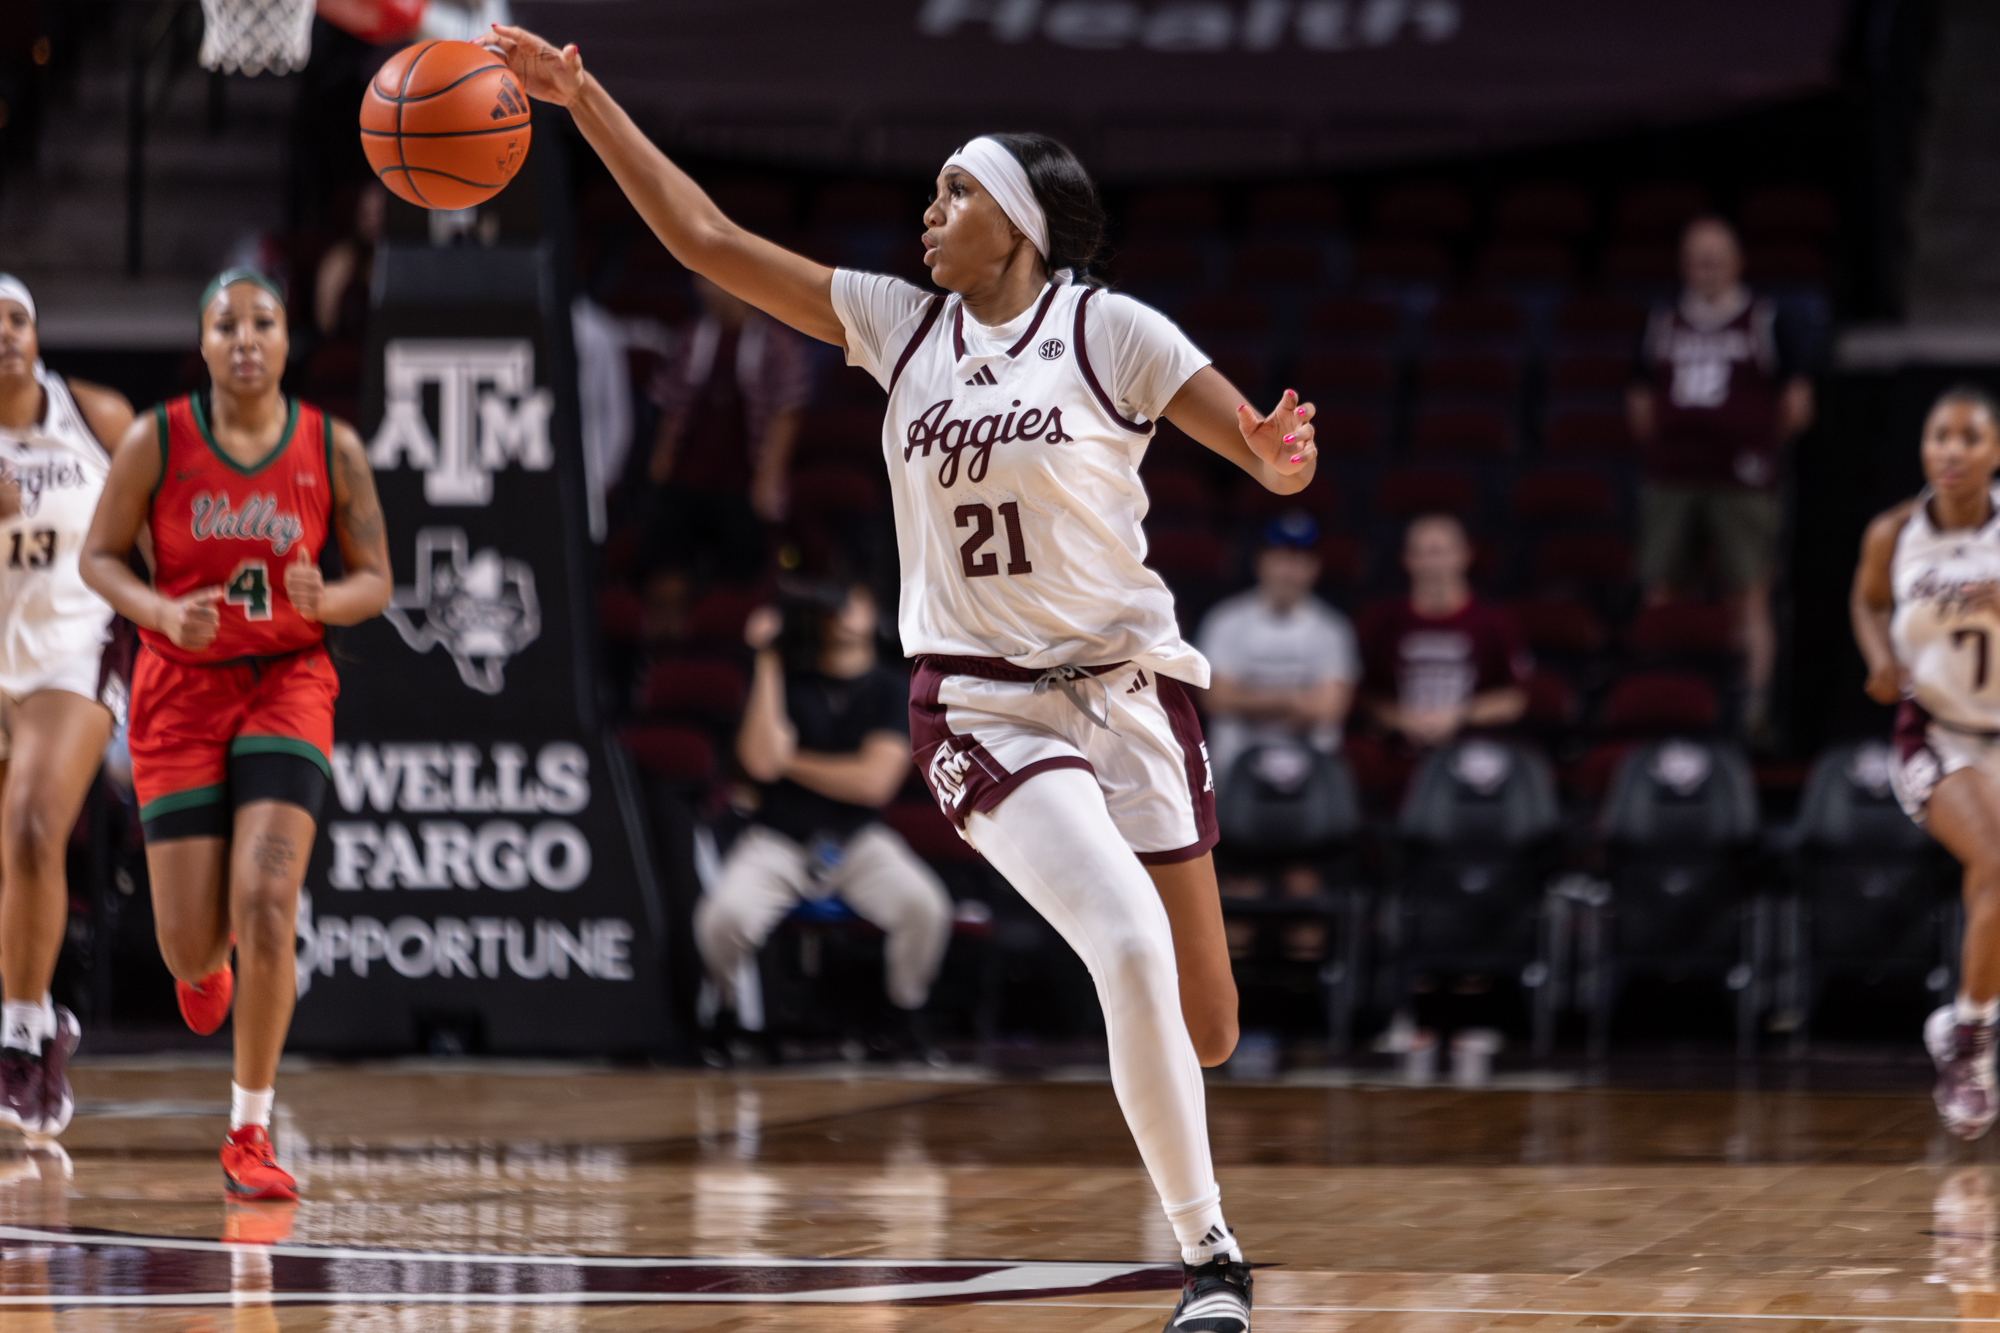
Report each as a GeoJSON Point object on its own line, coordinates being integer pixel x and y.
{"type": "Point", "coordinates": [979, 728]}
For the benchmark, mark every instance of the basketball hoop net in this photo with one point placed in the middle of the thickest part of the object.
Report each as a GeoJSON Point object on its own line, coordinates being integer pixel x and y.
{"type": "Point", "coordinates": [256, 36]}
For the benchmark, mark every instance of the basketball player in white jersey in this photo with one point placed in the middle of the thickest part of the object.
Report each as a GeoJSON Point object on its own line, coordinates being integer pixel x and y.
{"type": "Point", "coordinates": [1049, 713]}
{"type": "Point", "coordinates": [1926, 610]}
{"type": "Point", "coordinates": [55, 697]}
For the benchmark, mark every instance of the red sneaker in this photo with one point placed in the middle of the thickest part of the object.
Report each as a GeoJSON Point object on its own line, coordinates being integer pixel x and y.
{"type": "Point", "coordinates": [248, 1169]}
{"type": "Point", "coordinates": [206, 1004]}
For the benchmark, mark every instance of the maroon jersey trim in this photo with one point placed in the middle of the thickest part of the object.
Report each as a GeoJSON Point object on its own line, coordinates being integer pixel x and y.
{"type": "Point", "coordinates": [916, 340]}
{"type": "Point", "coordinates": [1090, 376]}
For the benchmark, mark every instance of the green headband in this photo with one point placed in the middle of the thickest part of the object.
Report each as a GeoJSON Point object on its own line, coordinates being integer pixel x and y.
{"type": "Point", "coordinates": [229, 277]}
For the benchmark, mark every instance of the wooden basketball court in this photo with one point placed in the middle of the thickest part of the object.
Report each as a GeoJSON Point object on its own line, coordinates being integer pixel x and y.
{"type": "Point", "coordinates": [545, 1198]}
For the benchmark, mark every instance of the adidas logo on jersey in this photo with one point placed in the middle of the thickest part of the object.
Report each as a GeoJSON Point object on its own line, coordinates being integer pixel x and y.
{"type": "Point", "coordinates": [985, 376]}
{"type": "Point", "coordinates": [954, 437]}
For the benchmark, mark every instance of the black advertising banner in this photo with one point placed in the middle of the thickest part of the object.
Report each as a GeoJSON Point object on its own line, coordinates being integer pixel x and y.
{"type": "Point", "coordinates": [1183, 88]}
{"type": "Point", "coordinates": [481, 868]}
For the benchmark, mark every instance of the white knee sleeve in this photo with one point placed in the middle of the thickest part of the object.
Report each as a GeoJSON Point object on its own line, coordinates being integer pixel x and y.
{"type": "Point", "coordinates": [1054, 841]}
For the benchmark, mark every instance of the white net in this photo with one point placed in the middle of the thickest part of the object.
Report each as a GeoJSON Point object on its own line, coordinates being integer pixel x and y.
{"type": "Point", "coordinates": [256, 36]}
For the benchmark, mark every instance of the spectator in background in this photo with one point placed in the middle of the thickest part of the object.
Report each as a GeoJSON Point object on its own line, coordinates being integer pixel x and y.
{"type": "Point", "coordinates": [340, 288]}
{"type": "Point", "coordinates": [1283, 662]}
{"type": "Point", "coordinates": [1441, 661]}
{"type": "Point", "coordinates": [729, 404]}
{"type": "Point", "coordinates": [825, 735]}
{"type": "Point", "coordinates": [1720, 391]}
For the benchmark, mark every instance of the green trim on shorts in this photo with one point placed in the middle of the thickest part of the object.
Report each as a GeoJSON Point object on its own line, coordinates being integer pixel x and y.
{"type": "Point", "coordinates": [281, 745]}
{"type": "Point", "coordinates": [213, 794]}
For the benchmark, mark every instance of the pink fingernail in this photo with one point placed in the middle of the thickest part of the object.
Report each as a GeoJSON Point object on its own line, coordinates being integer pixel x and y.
{"type": "Point", "coordinates": [1243, 407]}
{"type": "Point", "coordinates": [1302, 411]}
{"type": "Point", "coordinates": [1290, 438]}
{"type": "Point", "coordinates": [1296, 457]}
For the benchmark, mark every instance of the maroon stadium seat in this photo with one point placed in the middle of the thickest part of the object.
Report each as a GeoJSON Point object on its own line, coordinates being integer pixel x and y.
{"type": "Point", "coordinates": [716, 621]}
{"type": "Point", "coordinates": [1349, 432]}
{"type": "Point", "coordinates": [1642, 264]}
{"type": "Point", "coordinates": [1345, 377]}
{"type": "Point", "coordinates": [1564, 496]}
{"type": "Point", "coordinates": [1354, 321]}
{"type": "Point", "coordinates": [1174, 208]}
{"type": "Point", "coordinates": [1657, 703]}
{"type": "Point", "coordinates": [1343, 561]}
{"type": "Point", "coordinates": [1178, 494]}
{"type": "Point", "coordinates": [702, 688]}
{"type": "Point", "coordinates": [1250, 502]}
{"type": "Point", "coordinates": [1556, 210]}
{"type": "Point", "coordinates": [1476, 321]}
{"type": "Point", "coordinates": [1601, 323]}
{"type": "Point", "coordinates": [1232, 313]}
{"type": "Point", "coordinates": [1589, 433]}
{"type": "Point", "coordinates": [1551, 701]}
{"type": "Point", "coordinates": [1588, 559]}
{"type": "Point", "coordinates": [1592, 375]}
{"type": "Point", "coordinates": [1436, 209]}
{"type": "Point", "coordinates": [1411, 491]}
{"type": "Point", "coordinates": [1789, 212]}
{"type": "Point", "coordinates": [1558, 626]}
{"type": "Point", "coordinates": [1296, 208]}
{"type": "Point", "coordinates": [822, 491]}
{"type": "Point", "coordinates": [1591, 777]}
{"type": "Point", "coordinates": [1660, 208]}
{"type": "Point", "coordinates": [1185, 553]}
{"type": "Point", "coordinates": [1683, 630]}
{"type": "Point", "coordinates": [671, 754]}
{"type": "Point", "coordinates": [1527, 264]}
{"type": "Point", "coordinates": [620, 615]}
{"type": "Point", "coordinates": [1477, 433]}
{"type": "Point", "coordinates": [1483, 377]}
{"type": "Point", "coordinates": [929, 833]}
{"type": "Point", "coordinates": [1402, 261]}
{"type": "Point", "coordinates": [1278, 263]}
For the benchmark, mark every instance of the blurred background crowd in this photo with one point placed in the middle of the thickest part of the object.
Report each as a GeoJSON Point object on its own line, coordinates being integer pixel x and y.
{"type": "Point", "coordinates": [1534, 718]}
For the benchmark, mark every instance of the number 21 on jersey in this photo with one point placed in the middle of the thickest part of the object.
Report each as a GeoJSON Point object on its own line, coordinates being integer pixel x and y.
{"type": "Point", "coordinates": [250, 588]}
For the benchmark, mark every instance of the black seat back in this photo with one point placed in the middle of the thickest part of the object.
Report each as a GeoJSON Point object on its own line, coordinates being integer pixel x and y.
{"type": "Point", "coordinates": [1849, 808]}
{"type": "Point", "coordinates": [1481, 793]}
{"type": "Point", "coordinates": [1287, 800]}
{"type": "Point", "coordinates": [1477, 825]}
{"type": "Point", "coordinates": [1678, 814]}
{"type": "Point", "coordinates": [1868, 874]}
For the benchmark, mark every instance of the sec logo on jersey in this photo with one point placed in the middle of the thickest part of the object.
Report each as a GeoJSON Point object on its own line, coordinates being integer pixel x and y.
{"type": "Point", "coordinates": [1052, 349]}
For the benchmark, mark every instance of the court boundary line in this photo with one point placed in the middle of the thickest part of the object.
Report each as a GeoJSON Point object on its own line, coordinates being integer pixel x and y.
{"type": "Point", "coordinates": [1545, 1313]}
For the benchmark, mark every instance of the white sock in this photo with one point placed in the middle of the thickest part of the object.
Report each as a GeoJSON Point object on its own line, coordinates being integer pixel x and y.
{"type": "Point", "coordinates": [1969, 1010]}
{"type": "Point", "coordinates": [1217, 1242]}
{"type": "Point", "coordinates": [22, 1026]}
{"type": "Point", "coordinates": [249, 1108]}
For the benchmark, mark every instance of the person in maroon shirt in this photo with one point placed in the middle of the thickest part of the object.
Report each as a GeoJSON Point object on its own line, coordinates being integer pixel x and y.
{"type": "Point", "coordinates": [730, 402]}
{"type": "Point", "coordinates": [1718, 394]}
{"type": "Point", "coordinates": [1440, 660]}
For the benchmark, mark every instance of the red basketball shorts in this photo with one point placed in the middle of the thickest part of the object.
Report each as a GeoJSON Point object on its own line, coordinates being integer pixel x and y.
{"type": "Point", "coordinates": [207, 739]}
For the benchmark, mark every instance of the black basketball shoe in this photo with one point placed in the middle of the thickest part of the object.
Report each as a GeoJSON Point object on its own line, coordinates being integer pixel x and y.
{"type": "Point", "coordinates": [1215, 1298]}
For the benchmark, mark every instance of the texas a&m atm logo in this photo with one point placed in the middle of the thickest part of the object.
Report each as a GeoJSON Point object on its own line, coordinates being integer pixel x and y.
{"type": "Point", "coordinates": [488, 414]}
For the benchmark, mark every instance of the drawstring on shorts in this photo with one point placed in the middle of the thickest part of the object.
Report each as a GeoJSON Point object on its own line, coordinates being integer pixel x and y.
{"type": "Point", "coordinates": [1064, 678]}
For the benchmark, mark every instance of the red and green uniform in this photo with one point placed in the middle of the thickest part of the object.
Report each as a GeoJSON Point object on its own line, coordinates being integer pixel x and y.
{"type": "Point", "coordinates": [264, 687]}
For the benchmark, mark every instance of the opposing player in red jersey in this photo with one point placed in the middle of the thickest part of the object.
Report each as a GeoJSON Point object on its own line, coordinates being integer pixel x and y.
{"type": "Point", "coordinates": [232, 697]}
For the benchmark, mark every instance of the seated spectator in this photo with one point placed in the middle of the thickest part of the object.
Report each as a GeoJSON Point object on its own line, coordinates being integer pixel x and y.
{"type": "Point", "coordinates": [826, 737]}
{"type": "Point", "coordinates": [1721, 390]}
{"type": "Point", "coordinates": [729, 413]}
{"type": "Point", "coordinates": [340, 287]}
{"type": "Point", "coordinates": [1441, 661]}
{"type": "Point", "coordinates": [1283, 661]}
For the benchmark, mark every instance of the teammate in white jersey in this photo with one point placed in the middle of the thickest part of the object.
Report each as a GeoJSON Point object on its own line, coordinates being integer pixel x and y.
{"type": "Point", "coordinates": [55, 707]}
{"type": "Point", "coordinates": [1048, 713]}
{"type": "Point", "coordinates": [1926, 610]}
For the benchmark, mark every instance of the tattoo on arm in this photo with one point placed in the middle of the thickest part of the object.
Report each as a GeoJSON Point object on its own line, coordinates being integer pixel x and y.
{"type": "Point", "coordinates": [273, 854]}
{"type": "Point", "coordinates": [360, 509]}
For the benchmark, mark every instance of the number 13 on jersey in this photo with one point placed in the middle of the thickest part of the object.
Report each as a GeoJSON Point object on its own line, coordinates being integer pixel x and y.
{"type": "Point", "coordinates": [250, 588]}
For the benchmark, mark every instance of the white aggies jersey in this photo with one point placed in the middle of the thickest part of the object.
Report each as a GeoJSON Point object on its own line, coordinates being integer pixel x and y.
{"type": "Point", "coordinates": [48, 618]}
{"type": "Point", "coordinates": [1948, 650]}
{"type": "Point", "coordinates": [1015, 475]}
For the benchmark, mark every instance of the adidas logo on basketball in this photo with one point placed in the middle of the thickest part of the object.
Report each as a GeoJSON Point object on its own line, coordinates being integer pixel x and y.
{"type": "Point", "coordinates": [509, 103]}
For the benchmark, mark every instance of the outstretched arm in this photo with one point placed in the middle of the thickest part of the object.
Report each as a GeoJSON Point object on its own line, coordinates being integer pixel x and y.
{"type": "Point", "coordinates": [784, 285]}
{"type": "Point", "coordinates": [1873, 601]}
{"type": "Point", "coordinates": [1277, 450]}
{"type": "Point", "coordinates": [361, 592]}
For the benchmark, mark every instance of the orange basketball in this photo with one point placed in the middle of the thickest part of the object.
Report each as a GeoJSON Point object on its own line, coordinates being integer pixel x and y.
{"type": "Point", "coordinates": [445, 124]}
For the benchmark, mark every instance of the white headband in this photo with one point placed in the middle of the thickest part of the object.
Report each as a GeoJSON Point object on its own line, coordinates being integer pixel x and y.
{"type": "Point", "coordinates": [1007, 181]}
{"type": "Point", "coordinates": [13, 289]}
